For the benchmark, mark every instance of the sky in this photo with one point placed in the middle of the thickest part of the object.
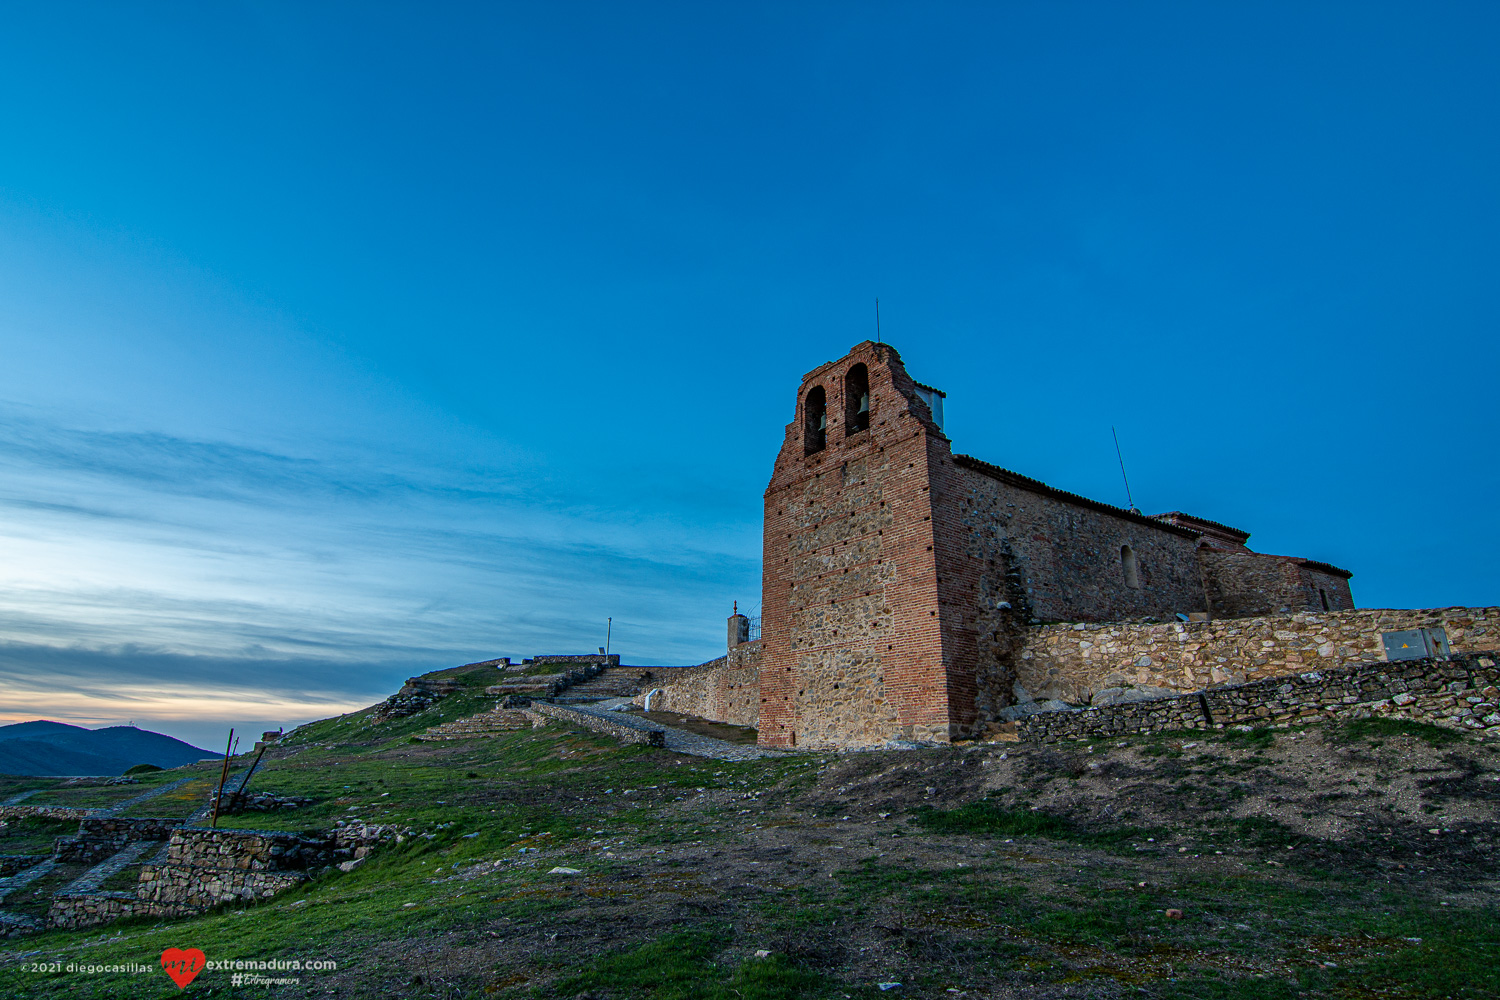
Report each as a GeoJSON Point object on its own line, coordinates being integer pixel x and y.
{"type": "Point", "coordinates": [342, 342]}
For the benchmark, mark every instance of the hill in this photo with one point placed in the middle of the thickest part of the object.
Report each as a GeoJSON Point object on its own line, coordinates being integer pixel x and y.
{"type": "Point", "coordinates": [54, 748]}
{"type": "Point", "coordinates": [547, 862]}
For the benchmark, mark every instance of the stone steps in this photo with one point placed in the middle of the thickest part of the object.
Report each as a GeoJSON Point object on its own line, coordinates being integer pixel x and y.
{"type": "Point", "coordinates": [613, 682]}
{"type": "Point", "coordinates": [485, 724]}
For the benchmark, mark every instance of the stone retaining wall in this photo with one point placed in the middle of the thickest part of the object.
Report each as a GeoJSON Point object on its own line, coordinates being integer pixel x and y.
{"type": "Point", "coordinates": [98, 837]}
{"type": "Point", "coordinates": [95, 908]}
{"type": "Point", "coordinates": [619, 730]}
{"type": "Point", "coordinates": [207, 868]}
{"type": "Point", "coordinates": [257, 850]}
{"type": "Point", "coordinates": [1457, 693]}
{"type": "Point", "coordinates": [45, 812]}
{"type": "Point", "coordinates": [724, 690]}
{"type": "Point", "coordinates": [1092, 663]}
{"type": "Point", "coordinates": [10, 864]}
{"type": "Point", "coordinates": [196, 888]}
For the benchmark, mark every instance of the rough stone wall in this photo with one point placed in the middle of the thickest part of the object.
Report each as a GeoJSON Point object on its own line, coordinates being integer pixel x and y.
{"type": "Point", "coordinates": [92, 909]}
{"type": "Point", "coordinates": [629, 734]}
{"type": "Point", "coordinates": [256, 850]}
{"type": "Point", "coordinates": [45, 812]}
{"type": "Point", "coordinates": [193, 888]}
{"type": "Point", "coordinates": [98, 837]}
{"type": "Point", "coordinates": [1250, 584]}
{"type": "Point", "coordinates": [598, 659]}
{"type": "Point", "coordinates": [1317, 585]}
{"type": "Point", "coordinates": [852, 648]}
{"type": "Point", "coordinates": [1068, 549]}
{"type": "Point", "coordinates": [1007, 540]}
{"type": "Point", "coordinates": [1079, 662]}
{"type": "Point", "coordinates": [10, 864]}
{"type": "Point", "coordinates": [725, 690]}
{"type": "Point", "coordinates": [1457, 693]}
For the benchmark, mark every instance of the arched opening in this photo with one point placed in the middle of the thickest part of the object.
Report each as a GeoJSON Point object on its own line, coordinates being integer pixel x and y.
{"type": "Point", "coordinates": [1323, 596]}
{"type": "Point", "coordinates": [857, 400]}
{"type": "Point", "coordinates": [1131, 567]}
{"type": "Point", "coordinates": [814, 420]}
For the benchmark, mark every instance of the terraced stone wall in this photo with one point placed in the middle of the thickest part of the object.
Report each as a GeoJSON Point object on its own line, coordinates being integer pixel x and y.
{"type": "Point", "coordinates": [194, 889]}
{"type": "Point", "coordinates": [1088, 663]}
{"type": "Point", "coordinates": [100, 836]}
{"type": "Point", "coordinates": [724, 690]}
{"type": "Point", "coordinates": [95, 908]}
{"type": "Point", "coordinates": [1457, 693]}
{"type": "Point", "coordinates": [256, 850]}
{"type": "Point", "coordinates": [641, 733]}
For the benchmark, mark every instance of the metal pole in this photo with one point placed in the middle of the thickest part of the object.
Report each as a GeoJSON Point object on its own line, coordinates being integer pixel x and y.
{"type": "Point", "coordinates": [609, 630]}
{"type": "Point", "coordinates": [1128, 499]}
{"type": "Point", "coordinates": [223, 776]}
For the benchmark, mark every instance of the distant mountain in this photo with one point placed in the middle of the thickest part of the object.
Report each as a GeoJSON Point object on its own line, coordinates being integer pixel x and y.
{"type": "Point", "coordinates": [54, 748]}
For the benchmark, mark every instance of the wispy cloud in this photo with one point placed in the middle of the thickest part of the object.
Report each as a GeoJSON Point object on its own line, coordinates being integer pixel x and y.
{"type": "Point", "coordinates": [274, 580]}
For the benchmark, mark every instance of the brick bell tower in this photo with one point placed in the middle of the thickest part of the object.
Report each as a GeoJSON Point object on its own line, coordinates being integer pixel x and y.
{"type": "Point", "coordinates": [854, 649]}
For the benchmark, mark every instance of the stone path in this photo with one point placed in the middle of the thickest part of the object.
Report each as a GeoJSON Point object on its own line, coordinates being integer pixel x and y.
{"type": "Point", "coordinates": [120, 807]}
{"type": "Point", "coordinates": [95, 876]}
{"type": "Point", "coordinates": [681, 740]}
{"type": "Point", "coordinates": [16, 800]}
{"type": "Point", "coordinates": [22, 879]}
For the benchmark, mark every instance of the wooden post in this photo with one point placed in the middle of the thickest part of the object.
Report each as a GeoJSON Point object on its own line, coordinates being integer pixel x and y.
{"type": "Point", "coordinates": [248, 775]}
{"type": "Point", "coordinates": [223, 776]}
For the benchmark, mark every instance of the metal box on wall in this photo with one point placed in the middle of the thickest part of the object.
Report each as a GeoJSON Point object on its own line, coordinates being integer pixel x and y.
{"type": "Point", "coordinates": [1415, 644]}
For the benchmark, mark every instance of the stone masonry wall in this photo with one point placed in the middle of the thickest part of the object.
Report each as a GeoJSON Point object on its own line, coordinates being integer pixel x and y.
{"type": "Point", "coordinates": [95, 908]}
{"type": "Point", "coordinates": [194, 888]}
{"type": "Point", "coordinates": [725, 690]}
{"type": "Point", "coordinates": [251, 850]}
{"type": "Point", "coordinates": [1068, 549]}
{"type": "Point", "coordinates": [619, 730]}
{"type": "Point", "coordinates": [852, 647]}
{"type": "Point", "coordinates": [44, 812]}
{"type": "Point", "coordinates": [1456, 693]}
{"type": "Point", "coordinates": [1011, 549]}
{"type": "Point", "coordinates": [1084, 663]}
{"type": "Point", "coordinates": [207, 868]}
{"type": "Point", "coordinates": [98, 837]}
{"type": "Point", "coordinates": [1248, 584]}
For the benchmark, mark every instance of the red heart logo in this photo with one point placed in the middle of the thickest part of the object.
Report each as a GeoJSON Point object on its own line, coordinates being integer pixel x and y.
{"type": "Point", "coordinates": [183, 964]}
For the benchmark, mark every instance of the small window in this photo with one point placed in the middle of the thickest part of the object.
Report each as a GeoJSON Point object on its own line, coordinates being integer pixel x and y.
{"type": "Point", "coordinates": [857, 400]}
{"type": "Point", "coordinates": [1323, 596]}
{"type": "Point", "coordinates": [814, 421]}
{"type": "Point", "coordinates": [1131, 568]}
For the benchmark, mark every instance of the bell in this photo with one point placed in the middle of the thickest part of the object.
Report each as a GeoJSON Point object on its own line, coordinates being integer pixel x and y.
{"type": "Point", "coordinates": [822, 421]}
{"type": "Point", "coordinates": [864, 405]}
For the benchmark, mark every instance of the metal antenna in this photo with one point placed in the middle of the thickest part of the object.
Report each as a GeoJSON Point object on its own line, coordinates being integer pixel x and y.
{"type": "Point", "coordinates": [1122, 467]}
{"type": "Point", "coordinates": [877, 319]}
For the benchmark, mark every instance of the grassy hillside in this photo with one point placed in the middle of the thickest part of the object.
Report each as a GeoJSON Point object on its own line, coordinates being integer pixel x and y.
{"type": "Point", "coordinates": [1301, 864]}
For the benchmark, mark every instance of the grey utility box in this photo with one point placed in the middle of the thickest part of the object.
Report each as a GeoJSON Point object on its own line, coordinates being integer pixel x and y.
{"type": "Point", "coordinates": [1415, 644]}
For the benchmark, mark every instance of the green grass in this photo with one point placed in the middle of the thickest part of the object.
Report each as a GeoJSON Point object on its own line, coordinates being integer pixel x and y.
{"type": "Point", "coordinates": [1376, 728]}
{"type": "Point", "coordinates": [685, 965]}
{"type": "Point", "coordinates": [34, 834]}
{"type": "Point", "coordinates": [1258, 738]}
{"type": "Point", "coordinates": [963, 909]}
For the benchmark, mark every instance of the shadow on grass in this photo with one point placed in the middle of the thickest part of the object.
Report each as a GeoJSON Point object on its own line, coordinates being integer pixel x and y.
{"type": "Point", "coordinates": [1376, 728]}
{"type": "Point", "coordinates": [990, 819]}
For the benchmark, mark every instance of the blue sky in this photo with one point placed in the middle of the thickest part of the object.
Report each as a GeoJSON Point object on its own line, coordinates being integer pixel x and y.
{"type": "Point", "coordinates": [342, 342]}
